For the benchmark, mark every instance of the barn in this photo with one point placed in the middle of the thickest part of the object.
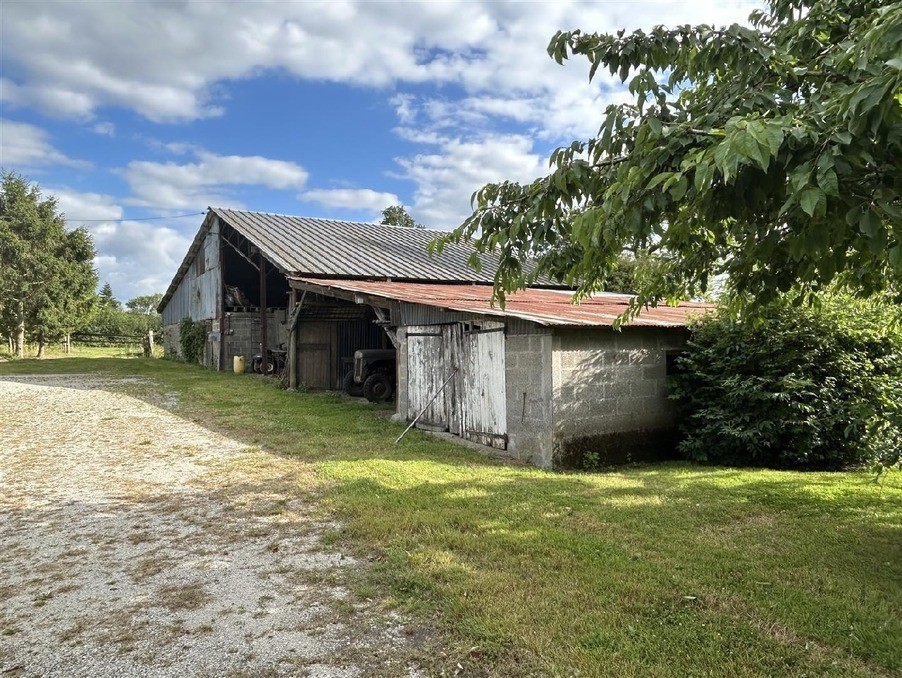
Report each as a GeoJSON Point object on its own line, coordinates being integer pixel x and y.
{"type": "Point", "coordinates": [541, 380]}
{"type": "Point", "coordinates": [234, 280]}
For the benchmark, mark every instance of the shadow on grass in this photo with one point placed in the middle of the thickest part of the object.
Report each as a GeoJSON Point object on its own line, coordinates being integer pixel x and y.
{"type": "Point", "coordinates": [669, 568]}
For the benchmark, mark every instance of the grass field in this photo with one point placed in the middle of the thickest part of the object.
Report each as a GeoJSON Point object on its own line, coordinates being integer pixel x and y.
{"type": "Point", "coordinates": [56, 351]}
{"type": "Point", "coordinates": [656, 570]}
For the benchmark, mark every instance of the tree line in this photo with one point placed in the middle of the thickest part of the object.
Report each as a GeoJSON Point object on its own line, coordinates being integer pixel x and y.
{"type": "Point", "coordinates": [48, 283]}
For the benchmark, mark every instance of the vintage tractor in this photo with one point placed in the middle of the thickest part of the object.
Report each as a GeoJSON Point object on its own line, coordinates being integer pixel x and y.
{"type": "Point", "coordinates": [373, 376]}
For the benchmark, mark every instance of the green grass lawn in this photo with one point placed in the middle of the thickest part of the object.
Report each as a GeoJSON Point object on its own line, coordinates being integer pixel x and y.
{"type": "Point", "coordinates": [668, 569]}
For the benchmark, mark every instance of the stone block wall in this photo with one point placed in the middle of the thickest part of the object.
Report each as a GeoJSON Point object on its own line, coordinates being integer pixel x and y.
{"type": "Point", "coordinates": [528, 360]}
{"type": "Point", "coordinates": [611, 395]}
{"type": "Point", "coordinates": [172, 347]}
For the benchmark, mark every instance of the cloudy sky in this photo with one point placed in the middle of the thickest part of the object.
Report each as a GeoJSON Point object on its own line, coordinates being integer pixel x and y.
{"type": "Point", "coordinates": [131, 111]}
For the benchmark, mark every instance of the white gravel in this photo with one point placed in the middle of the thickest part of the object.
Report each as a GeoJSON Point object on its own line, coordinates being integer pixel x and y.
{"type": "Point", "coordinates": [136, 543]}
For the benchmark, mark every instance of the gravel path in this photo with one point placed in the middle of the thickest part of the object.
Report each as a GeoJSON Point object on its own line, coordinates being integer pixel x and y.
{"type": "Point", "coordinates": [136, 543]}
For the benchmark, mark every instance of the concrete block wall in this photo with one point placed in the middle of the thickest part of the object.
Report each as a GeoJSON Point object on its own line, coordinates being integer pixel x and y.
{"type": "Point", "coordinates": [529, 387]}
{"type": "Point", "coordinates": [611, 395]}
{"type": "Point", "coordinates": [241, 334]}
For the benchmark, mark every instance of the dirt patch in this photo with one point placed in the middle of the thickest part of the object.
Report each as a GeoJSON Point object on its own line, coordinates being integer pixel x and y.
{"type": "Point", "coordinates": [135, 542]}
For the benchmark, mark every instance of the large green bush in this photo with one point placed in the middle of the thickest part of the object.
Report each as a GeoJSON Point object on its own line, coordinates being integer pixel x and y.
{"type": "Point", "coordinates": [803, 387]}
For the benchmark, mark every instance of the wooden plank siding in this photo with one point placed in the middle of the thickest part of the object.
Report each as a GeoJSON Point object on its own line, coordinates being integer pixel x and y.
{"type": "Point", "coordinates": [473, 405]}
{"type": "Point", "coordinates": [316, 347]}
{"type": "Point", "coordinates": [428, 368]}
{"type": "Point", "coordinates": [483, 407]}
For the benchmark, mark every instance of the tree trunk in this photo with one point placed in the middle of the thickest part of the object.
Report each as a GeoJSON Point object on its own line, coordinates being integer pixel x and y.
{"type": "Point", "coordinates": [20, 330]}
{"type": "Point", "coordinates": [40, 344]}
{"type": "Point", "coordinates": [68, 343]}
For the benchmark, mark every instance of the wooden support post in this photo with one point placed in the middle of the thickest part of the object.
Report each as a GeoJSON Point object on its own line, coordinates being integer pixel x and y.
{"type": "Point", "coordinates": [264, 356]}
{"type": "Point", "coordinates": [293, 344]}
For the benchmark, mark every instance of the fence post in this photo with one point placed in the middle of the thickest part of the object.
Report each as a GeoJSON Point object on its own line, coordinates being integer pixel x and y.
{"type": "Point", "coordinates": [148, 344]}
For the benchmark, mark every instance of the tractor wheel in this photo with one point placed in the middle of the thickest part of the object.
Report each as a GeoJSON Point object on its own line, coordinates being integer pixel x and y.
{"type": "Point", "coordinates": [378, 388]}
{"type": "Point", "coordinates": [351, 387]}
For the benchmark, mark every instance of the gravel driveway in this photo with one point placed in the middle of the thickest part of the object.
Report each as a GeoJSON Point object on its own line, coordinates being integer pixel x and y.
{"type": "Point", "coordinates": [136, 543]}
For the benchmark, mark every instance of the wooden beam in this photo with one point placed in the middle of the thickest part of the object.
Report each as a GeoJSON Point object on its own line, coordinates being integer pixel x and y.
{"type": "Point", "coordinates": [240, 253]}
{"type": "Point", "coordinates": [293, 343]}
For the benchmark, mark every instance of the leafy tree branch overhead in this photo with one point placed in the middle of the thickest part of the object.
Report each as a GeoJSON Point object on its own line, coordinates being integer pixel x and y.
{"type": "Point", "coordinates": [770, 154]}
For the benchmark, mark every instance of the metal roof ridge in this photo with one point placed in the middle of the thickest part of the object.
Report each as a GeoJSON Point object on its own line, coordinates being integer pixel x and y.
{"type": "Point", "coordinates": [333, 221]}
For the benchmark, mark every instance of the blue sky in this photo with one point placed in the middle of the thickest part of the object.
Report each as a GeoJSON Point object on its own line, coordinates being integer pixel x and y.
{"type": "Point", "coordinates": [134, 110]}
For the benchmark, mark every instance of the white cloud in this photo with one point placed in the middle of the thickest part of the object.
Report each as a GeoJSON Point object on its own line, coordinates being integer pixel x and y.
{"type": "Point", "coordinates": [351, 198]}
{"type": "Point", "coordinates": [77, 206]}
{"type": "Point", "coordinates": [24, 146]}
{"type": "Point", "coordinates": [106, 129]}
{"type": "Point", "coordinates": [165, 60]}
{"type": "Point", "coordinates": [139, 257]}
{"type": "Point", "coordinates": [196, 185]}
{"type": "Point", "coordinates": [447, 178]}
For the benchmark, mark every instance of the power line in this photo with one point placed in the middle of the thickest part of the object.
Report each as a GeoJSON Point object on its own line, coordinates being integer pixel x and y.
{"type": "Point", "coordinates": [174, 216]}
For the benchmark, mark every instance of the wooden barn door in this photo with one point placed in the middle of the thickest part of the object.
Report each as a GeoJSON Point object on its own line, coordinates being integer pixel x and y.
{"type": "Point", "coordinates": [426, 370]}
{"type": "Point", "coordinates": [316, 343]}
{"type": "Point", "coordinates": [473, 405]}
{"type": "Point", "coordinates": [481, 394]}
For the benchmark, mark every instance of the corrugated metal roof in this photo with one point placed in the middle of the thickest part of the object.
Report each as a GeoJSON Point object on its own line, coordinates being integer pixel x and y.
{"type": "Point", "coordinates": [541, 306]}
{"type": "Point", "coordinates": [348, 249]}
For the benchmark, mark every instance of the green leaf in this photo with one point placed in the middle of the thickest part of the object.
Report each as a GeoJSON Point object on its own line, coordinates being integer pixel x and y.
{"type": "Point", "coordinates": [828, 182]}
{"type": "Point", "coordinates": [475, 262]}
{"type": "Point", "coordinates": [678, 190]}
{"type": "Point", "coordinates": [811, 199]}
{"type": "Point", "coordinates": [869, 224]}
{"type": "Point", "coordinates": [659, 179]}
{"type": "Point", "coordinates": [895, 257]}
{"type": "Point", "coordinates": [704, 173]}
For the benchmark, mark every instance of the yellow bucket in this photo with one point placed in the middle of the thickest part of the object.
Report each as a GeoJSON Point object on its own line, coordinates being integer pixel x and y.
{"type": "Point", "coordinates": [238, 364]}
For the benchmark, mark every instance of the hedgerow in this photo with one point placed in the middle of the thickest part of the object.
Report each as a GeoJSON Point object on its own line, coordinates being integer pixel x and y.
{"type": "Point", "coordinates": [807, 387]}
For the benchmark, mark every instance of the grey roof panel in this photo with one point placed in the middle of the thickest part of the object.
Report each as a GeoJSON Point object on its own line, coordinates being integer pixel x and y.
{"type": "Point", "coordinates": [343, 248]}
{"type": "Point", "coordinates": [347, 249]}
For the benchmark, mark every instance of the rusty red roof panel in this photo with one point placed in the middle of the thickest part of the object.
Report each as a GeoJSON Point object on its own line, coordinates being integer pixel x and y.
{"type": "Point", "coordinates": [542, 306]}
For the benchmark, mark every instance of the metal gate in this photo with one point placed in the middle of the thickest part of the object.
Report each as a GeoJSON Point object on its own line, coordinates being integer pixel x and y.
{"type": "Point", "coordinates": [473, 404]}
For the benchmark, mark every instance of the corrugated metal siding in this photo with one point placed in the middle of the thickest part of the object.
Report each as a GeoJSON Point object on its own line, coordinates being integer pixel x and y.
{"type": "Point", "coordinates": [419, 314]}
{"type": "Point", "coordinates": [197, 296]}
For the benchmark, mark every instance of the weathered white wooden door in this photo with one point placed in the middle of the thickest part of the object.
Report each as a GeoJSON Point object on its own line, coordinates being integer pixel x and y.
{"type": "Point", "coordinates": [473, 404]}
{"type": "Point", "coordinates": [481, 392]}
{"type": "Point", "coordinates": [426, 372]}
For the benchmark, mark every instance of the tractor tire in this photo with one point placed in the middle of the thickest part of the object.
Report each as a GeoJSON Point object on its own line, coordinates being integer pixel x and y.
{"type": "Point", "coordinates": [351, 387]}
{"type": "Point", "coordinates": [378, 388]}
